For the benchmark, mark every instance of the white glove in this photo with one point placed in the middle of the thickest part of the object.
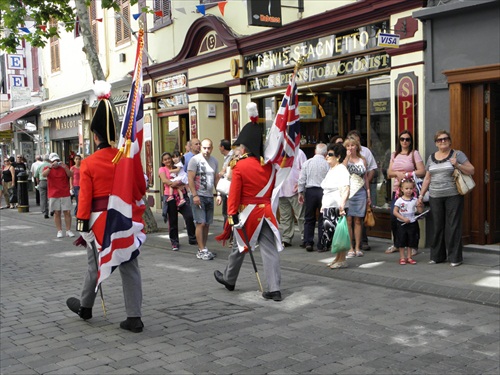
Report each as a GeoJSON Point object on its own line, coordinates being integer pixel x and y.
{"type": "Point", "coordinates": [88, 237]}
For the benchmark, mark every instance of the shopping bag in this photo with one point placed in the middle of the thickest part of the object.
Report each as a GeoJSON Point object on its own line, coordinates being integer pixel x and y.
{"type": "Point", "coordinates": [341, 240]}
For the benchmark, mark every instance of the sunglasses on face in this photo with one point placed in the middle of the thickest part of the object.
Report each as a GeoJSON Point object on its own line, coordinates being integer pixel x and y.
{"type": "Point", "coordinates": [403, 139]}
{"type": "Point", "coordinates": [442, 140]}
{"type": "Point", "coordinates": [330, 154]}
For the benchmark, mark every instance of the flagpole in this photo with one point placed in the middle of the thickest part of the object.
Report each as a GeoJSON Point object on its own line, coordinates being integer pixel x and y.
{"type": "Point", "coordinates": [94, 251]}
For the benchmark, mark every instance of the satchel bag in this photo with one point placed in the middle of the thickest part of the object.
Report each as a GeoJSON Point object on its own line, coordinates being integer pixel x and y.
{"type": "Point", "coordinates": [465, 183]}
{"type": "Point", "coordinates": [369, 217]}
{"type": "Point", "coordinates": [223, 186]}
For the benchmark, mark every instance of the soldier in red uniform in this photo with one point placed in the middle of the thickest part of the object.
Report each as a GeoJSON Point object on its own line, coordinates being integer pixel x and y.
{"type": "Point", "coordinates": [96, 180]}
{"type": "Point", "coordinates": [249, 210]}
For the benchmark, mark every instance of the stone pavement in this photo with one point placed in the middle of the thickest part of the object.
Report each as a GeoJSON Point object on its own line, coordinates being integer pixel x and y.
{"type": "Point", "coordinates": [373, 317]}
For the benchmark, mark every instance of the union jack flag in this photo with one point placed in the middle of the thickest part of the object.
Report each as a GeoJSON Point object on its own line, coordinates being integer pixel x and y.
{"type": "Point", "coordinates": [284, 138]}
{"type": "Point", "coordinates": [123, 235]}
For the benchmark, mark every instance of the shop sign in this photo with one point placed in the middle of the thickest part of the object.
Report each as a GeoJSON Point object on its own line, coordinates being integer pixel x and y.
{"type": "Point", "coordinates": [322, 72]}
{"type": "Point", "coordinates": [380, 106]}
{"type": "Point", "coordinates": [176, 82]}
{"type": "Point", "coordinates": [317, 49]}
{"type": "Point", "coordinates": [67, 122]}
{"type": "Point", "coordinates": [388, 40]}
{"type": "Point", "coordinates": [264, 13]}
{"type": "Point", "coordinates": [15, 62]}
{"type": "Point", "coordinates": [193, 122]}
{"type": "Point", "coordinates": [406, 103]}
{"type": "Point", "coordinates": [173, 101]}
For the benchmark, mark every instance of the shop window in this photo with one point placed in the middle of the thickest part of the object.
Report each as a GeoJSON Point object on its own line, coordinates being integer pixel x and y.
{"type": "Point", "coordinates": [379, 138]}
{"type": "Point", "coordinates": [165, 17]}
{"type": "Point", "coordinates": [122, 31]}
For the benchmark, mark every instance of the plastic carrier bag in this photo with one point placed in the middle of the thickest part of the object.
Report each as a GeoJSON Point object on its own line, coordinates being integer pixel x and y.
{"type": "Point", "coordinates": [341, 240]}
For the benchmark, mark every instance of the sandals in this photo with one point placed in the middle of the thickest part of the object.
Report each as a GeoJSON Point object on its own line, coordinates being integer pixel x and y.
{"type": "Point", "coordinates": [359, 253]}
{"type": "Point", "coordinates": [402, 261]}
{"type": "Point", "coordinates": [351, 254]}
{"type": "Point", "coordinates": [391, 249]}
{"type": "Point", "coordinates": [410, 261]}
{"type": "Point", "coordinates": [338, 265]}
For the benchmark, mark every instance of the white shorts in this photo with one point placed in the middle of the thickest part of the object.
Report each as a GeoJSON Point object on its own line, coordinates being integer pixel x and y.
{"type": "Point", "coordinates": [60, 204]}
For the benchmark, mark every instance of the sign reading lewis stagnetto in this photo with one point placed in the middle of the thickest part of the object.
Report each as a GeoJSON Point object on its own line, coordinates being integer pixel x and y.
{"type": "Point", "coordinates": [406, 103]}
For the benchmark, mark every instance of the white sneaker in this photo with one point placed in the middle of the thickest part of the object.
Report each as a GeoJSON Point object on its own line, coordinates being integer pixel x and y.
{"type": "Point", "coordinates": [69, 234]}
{"type": "Point", "coordinates": [59, 234]}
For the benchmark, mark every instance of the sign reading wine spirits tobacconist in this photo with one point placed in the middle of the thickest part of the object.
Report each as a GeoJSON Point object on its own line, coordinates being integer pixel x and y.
{"type": "Point", "coordinates": [322, 71]}
{"type": "Point", "coordinates": [324, 48]}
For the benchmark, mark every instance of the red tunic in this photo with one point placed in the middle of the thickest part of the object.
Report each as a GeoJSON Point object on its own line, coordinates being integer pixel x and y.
{"type": "Point", "coordinates": [250, 195]}
{"type": "Point", "coordinates": [96, 181]}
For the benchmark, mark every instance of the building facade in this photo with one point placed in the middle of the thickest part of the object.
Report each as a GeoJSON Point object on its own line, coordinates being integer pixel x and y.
{"type": "Point", "coordinates": [462, 95]}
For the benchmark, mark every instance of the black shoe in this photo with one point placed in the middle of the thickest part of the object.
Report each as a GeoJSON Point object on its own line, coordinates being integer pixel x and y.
{"type": "Point", "coordinates": [303, 245]}
{"type": "Point", "coordinates": [286, 244]}
{"type": "Point", "coordinates": [46, 216]}
{"type": "Point", "coordinates": [309, 248]}
{"type": "Point", "coordinates": [74, 305]}
{"type": "Point", "coordinates": [132, 324]}
{"type": "Point", "coordinates": [275, 296]}
{"type": "Point", "coordinates": [365, 247]}
{"type": "Point", "coordinates": [193, 242]}
{"type": "Point", "coordinates": [322, 250]}
{"type": "Point", "coordinates": [220, 279]}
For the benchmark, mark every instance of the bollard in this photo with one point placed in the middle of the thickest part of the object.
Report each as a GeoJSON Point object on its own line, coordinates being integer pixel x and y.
{"type": "Point", "coordinates": [22, 192]}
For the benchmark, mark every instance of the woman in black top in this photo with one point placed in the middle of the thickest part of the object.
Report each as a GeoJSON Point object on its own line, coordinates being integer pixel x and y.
{"type": "Point", "coordinates": [8, 179]}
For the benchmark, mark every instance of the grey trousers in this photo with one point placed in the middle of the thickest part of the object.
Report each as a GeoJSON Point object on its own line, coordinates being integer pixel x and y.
{"type": "Point", "coordinates": [270, 260]}
{"type": "Point", "coordinates": [291, 209]}
{"type": "Point", "coordinates": [44, 201]}
{"type": "Point", "coordinates": [446, 216]}
{"type": "Point", "coordinates": [131, 283]}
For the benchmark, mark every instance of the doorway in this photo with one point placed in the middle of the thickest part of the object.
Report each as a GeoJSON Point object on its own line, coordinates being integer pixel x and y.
{"type": "Point", "coordinates": [474, 121]}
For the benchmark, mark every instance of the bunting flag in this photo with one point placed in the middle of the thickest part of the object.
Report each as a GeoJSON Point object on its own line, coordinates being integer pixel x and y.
{"type": "Point", "coordinates": [98, 19]}
{"type": "Point", "coordinates": [181, 10]}
{"type": "Point", "coordinates": [201, 9]}
{"type": "Point", "coordinates": [42, 27]}
{"type": "Point", "coordinates": [159, 13]}
{"type": "Point", "coordinates": [25, 29]}
{"type": "Point", "coordinates": [137, 15]}
{"type": "Point", "coordinates": [284, 138]}
{"type": "Point", "coordinates": [123, 234]}
{"type": "Point", "coordinates": [222, 5]}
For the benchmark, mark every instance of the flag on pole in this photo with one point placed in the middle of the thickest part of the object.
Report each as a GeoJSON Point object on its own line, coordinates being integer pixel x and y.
{"type": "Point", "coordinates": [284, 138]}
{"type": "Point", "coordinates": [123, 235]}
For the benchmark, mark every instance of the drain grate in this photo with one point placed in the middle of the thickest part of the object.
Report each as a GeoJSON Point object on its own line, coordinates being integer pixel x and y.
{"type": "Point", "coordinates": [205, 310]}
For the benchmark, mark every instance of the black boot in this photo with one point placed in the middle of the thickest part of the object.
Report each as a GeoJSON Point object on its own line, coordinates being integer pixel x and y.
{"type": "Point", "coordinates": [132, 324]}
{"type": "Point", "coordinates": [220, 279]}
{"type": "Point", "coordinates": [74, 305]}
{"type": "Point", "coordinates": [275, 296]}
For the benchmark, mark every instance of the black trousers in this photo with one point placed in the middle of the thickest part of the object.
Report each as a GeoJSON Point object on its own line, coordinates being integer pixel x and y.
{"type": "Point", "coordinates": [173, 220]}
{"type": "Point", "coordinates": [312, 202]}
{"type": "Point", "coordinates": [446, 235]}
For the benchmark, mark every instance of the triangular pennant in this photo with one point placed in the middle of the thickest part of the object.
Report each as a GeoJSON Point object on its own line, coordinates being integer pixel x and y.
{"type": "Point", "coordinates": [159, 13]}
{"type": "Point", "coordinates": [181, 10]}
{"type": "Point", "coordinates": [42, 27]}
{"type": "Point", "coordinates": [222, 5]}
{"type": "Point", "coordinates": [25, 29]}
{"type": "Point", "coordinates": [136, 16]}
{"type": "Point", "coordinates": [201, 9]}
{"type": "Point", "coordinates": [98, 19]}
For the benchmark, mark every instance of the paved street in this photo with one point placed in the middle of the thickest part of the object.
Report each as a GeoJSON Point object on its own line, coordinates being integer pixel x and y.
{"type": "Point", "coordinates": [375, 317]}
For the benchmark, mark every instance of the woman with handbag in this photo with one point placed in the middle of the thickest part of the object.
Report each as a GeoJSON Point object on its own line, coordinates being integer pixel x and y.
{"type": "Point", "coordinates": [445, 202]}
{"type": "Point", "coordinates": [405, 161]}
{"type": "Point", "coordinates": [335, 199]}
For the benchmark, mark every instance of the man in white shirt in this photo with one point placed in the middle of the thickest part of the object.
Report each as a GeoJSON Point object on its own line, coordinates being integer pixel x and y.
{"type": "Point", "coordinates": [290, 208]}
{"type": "Point", "coordinates": [34, 168]}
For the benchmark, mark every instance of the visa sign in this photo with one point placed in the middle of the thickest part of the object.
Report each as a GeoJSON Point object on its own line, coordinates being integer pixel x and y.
{"type": "Point", "coordinates": [388, 40]}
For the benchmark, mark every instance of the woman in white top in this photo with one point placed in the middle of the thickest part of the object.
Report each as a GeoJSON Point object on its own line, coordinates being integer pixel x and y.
{"type": "Point", "coordinates": [335, 198]}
